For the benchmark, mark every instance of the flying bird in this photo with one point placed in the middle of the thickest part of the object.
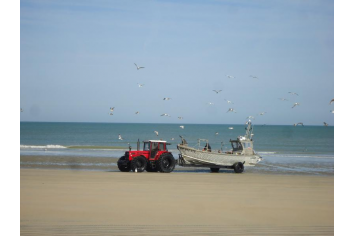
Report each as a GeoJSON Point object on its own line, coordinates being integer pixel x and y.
{"type": "Point", "coordinates": [166, 99]}
{"type": "Point", "coordinates": [210, 103]}
{"type": "Point", "coordinates": [262, 113]}
{"type": "Point", "coordinates": [295, 104]}
{"type": "Point", "coordinates": [182, 126]}
{"type": "Point", "coordinates": [332, 101]}
{"type": "Point", "coordinates": [180, 117]}
{"type": "Point", "coordinates": [230, 77]}
{"type": "Point", "coordinates": [140, 85]}
{"type": "Point", "coordinates": [165, 114]}
{"type": "Point", "coordinates": [172, 138]}
{"type": "Point", "coordinates": [250, 117]}
{"type": "Point", "coordinates": [283, 99]}
{"type": "Point", "coordinates": [112, 109]}
{"type": "Point", "coordinates": [326, 124]}
{"type": "Point", "coordinates": [216, 133]}
{"type": "Point", "coordinates": [292, 93]}
{"type": "Point", "coordinates": [332, 111]}
{"type": "Point", "coordinates": [231, 110]}
{"type": "Point", "coordinates": [254, 77]}
{"type": "Point", "coordinates": [231, 127]}
{"type": "Point", "coordinates": [229, 101]}
{"type": "Point", "coordinates": [111, 113]}
{"type": "Point", "coordinates": [120, 137]}
{"type": "Point", "coordinates": [300, 123]}
{"type": "Point", "coordinates": [156, 132]}
{"type": "Point", "coordinates": [21, 110]}
{"type": "Point", "coordinates": [217, 91]}
{"type": "Point", "coordinates": [139, 67]}
{"type": "Point", "coordinates": [137, 112]}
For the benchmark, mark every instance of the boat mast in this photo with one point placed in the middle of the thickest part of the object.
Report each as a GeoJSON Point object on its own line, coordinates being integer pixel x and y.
{"type": "Point", "coordinates": [248, 129]}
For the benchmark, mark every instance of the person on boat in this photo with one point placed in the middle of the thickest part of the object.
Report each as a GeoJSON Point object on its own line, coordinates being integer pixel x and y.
{"type": "Point", "coordinates": [207, 147]}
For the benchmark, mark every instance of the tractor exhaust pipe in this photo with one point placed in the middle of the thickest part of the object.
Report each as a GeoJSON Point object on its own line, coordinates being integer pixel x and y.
{"type": "Point", "coordinates": [138, 144]}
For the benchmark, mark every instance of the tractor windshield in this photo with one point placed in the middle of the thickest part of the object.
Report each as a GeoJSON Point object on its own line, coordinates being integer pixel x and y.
{"type": "Point", "coordinates": [146, 146]}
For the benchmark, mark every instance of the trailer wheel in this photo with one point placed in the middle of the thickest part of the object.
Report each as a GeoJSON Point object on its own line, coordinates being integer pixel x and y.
{"type": "Point", "coordinates": [123, 168]}
{"type": "Point", "coordinates": [239, 167]}
{"type": "Point", "coordinates": [166, 163]}
{"type": "Point", "coordinates": [214, 170]}
{"type": "Point", "coordinates": [139, 163]}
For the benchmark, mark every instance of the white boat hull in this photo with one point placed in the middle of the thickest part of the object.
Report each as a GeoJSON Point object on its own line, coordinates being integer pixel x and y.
{"type": "Point", "coordinates": [197, 157]}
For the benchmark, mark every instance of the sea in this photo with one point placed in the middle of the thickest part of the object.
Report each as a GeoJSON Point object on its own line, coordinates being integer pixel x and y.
{"type": "Point", "coordinates": [286, 150]}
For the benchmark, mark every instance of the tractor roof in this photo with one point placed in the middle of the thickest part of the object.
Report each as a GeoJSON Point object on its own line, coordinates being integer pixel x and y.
{"type": "Point", "coordinates": [156, 141]}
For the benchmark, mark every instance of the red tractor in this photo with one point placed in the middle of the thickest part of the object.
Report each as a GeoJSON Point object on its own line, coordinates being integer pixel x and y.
{"type": "Point", "coordinates": [154, 157]}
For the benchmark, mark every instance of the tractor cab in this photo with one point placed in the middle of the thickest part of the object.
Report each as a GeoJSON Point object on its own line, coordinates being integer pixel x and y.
{"type": "Point", "coordinates": [155, 147]}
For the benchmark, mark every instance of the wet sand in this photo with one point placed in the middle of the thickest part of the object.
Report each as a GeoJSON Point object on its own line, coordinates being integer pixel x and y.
{"type": "Point", "coordinates": [77, 202]}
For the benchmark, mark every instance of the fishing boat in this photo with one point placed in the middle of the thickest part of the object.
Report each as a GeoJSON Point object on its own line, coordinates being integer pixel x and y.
{"type": "Point", "coordinates": [241, 154]}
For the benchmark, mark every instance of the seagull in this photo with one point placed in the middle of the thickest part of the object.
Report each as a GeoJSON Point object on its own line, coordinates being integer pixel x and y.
{"type": "Point", "coordinates": [210, 103]}
{"type": "Point", "coordinates": [217, 91]}
{"type": "Point", "coordinates": [140, 85]}
{"type": "Point", "coordinates": [165, 114]}
{"type": "Point", "coordinates": [111, 113]}
{"type": "Point", "coordinates": [262, 113]}
{"type": "Point", "coordinates": [156, 132]}
{"type": "Point", "coordinates": [180, 117]}
{"type": "Point", "coordinates": [254, 77]}
{"type": "Point", "coordinates": [283, 99]}
{"type": "Point", "coordinates": [216, 133]}
{"type": "Point", "coordinates": [230, 77]}
{"type": "Point", "coordinates": [182, 126]}
{"type": "Point", "coordinates": [228, 101]}
{"type": "Point", "coordinates": [326, 124]}
{"type": "Point", "coordinates": [172, 138]}
{"type": "Point", "coordinates": [293, 93]}
{"type": "Point", "coordinates": [231, 110]}
{"type": "Point", "coordinates": [166, 99]}
{"type": "Point", "coordinates": [231, 127]}
{"type": "Point", "coordinates": [112, 109]}
{"type": "Point", "coordinates": [300, 123]}
{"type": "Point", "coordinates": [332, 101]}
{"type": "Point", "coordinates": [137, 112]}
{"type": "Point", "coordinates": [250, 117]}
{"type": "Point", "coordinates": [138, 67]}
{"type": "Point", "coordinates": [295, 104]}
{"type": "Point", "coordinates": [120, 137]}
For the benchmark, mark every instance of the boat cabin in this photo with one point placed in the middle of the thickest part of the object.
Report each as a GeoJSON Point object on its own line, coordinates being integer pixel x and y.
{"type": "Point", "coordinates": [242, 146]}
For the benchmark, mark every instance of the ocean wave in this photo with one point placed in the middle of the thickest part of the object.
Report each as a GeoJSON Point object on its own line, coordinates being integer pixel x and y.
{"type": "Point", "coordinates": [46, 146]}
{"type": "Point", "coordinates": [266, 152]}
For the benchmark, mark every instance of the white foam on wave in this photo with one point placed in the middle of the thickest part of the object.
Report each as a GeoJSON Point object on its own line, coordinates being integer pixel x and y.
{"type": "Point", "coordinates": [266, 152]}
{"type": "Point", "coordinates": [39, 147]}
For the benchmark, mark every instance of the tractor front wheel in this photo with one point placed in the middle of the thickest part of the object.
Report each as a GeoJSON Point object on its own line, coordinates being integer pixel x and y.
{"type": "Point", "coordinates": [150, 168]}
{"type": "Point", "coordinates": [166, 163]}
{"type": "Point", "coordinates": [139, 164]}
{"type": "Point", "coordinates": [121, 166]}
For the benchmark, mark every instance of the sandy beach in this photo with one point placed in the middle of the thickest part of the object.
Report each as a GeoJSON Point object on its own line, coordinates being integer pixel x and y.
{"type": "Point", "coordinates": [77, 202]}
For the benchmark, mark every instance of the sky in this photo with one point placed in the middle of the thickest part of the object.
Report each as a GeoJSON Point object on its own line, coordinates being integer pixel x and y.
{"type": "Point", "coordinates": [77, 60]}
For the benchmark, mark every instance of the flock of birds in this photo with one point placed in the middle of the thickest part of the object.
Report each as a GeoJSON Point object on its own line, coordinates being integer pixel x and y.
{"type": "Point", "coordinates": [210, 103]}
{"type": "Point", "coordinates": [228, 101]}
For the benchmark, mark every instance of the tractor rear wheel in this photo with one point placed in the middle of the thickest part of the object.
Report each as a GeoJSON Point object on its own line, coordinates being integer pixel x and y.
{"type": "Point", "coordinates": [166, 163]}
{"type": "Point", "coordinates": [214, 170]}
{"type": "Point", "coordinates": [123, 168]}
{"type": "Point", "coordinates": [139, 164]}
{"type": "Point", "coordinates": [239, 167]}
